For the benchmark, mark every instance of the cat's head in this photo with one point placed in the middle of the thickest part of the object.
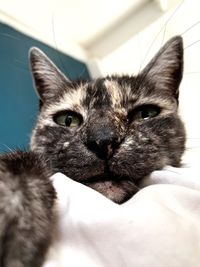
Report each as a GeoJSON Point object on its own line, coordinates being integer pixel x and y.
{"type": "Point", "coordinates": [110, 132]}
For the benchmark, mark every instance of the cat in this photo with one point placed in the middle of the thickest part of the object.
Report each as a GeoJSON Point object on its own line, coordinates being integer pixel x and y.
{"type": "Point", "coordinates": [108, 134]}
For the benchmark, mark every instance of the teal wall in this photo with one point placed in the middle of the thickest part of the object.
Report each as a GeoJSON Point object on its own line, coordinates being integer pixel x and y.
{"type": "Point", "coordinates": [18, 101]}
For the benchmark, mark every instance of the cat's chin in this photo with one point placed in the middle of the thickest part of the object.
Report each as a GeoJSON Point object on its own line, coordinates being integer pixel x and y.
{"type": "Point", "coordinates": [117, 191]}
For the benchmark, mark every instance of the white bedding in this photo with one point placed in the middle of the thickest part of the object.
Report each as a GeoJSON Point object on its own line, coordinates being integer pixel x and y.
{"type": "Point", "coordinates": [158, 227]}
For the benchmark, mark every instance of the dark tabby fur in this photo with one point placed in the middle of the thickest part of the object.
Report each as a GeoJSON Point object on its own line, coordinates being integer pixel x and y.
{"type": "Point", "coordinates": [107, 133]}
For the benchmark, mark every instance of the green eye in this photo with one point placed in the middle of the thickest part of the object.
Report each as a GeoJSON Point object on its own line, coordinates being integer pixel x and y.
{"type": "Point", "coordinates": [68, 119]}
{"type": "Point", "coordinates": [144, 113]}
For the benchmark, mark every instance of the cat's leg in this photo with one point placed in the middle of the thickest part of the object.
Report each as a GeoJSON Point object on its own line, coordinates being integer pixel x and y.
{"type": "Point", "coordinates": [26, 210]}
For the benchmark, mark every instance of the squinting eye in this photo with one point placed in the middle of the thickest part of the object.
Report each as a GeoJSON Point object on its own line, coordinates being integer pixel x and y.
{"type": "Point", "coordinates": [68, 119]}
{"type": "Point", "coordinates": [144, 113]}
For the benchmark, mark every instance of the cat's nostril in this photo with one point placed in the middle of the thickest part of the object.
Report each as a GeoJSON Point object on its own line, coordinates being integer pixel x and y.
{"type": "Point", "coordinates": [103, 147]}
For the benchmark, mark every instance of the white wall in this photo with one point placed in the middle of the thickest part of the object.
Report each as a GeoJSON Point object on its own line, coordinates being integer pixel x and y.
{"type": "Point", "coordinates": [135, 53]}
{"type": "Point", "coordinates": [74, 26]}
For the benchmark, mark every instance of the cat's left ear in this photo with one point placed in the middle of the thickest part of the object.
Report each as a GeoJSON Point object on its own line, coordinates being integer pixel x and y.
{"type": "Point", "coordinates": [165, 70]}
{"type": "Point", "coordinates": [48, 79]}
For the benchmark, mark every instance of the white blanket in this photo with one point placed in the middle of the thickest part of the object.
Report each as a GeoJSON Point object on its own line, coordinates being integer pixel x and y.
{"type": "Point", "coordinates": [158, 227]}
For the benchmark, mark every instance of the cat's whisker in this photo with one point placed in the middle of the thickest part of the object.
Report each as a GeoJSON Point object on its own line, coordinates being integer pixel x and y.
{"type": "Point", "coordinates": [81, 73]}
{"type": "Point", "coordinates": [175, 172]}
{"type": "Point", "coordinates": [191, 27]}
{"type": "Point", "coordinates": [16, 62]}
{"type": "Point", "coordinates": [106, 134]}
{"type": "Point", "coordinates": [163, 28]}
{"type": "Point", "coordinates": [7, 147]}
{"type": "Point", "coordinates": [193, 138]}
{"type": "Point", "coordinates": [192, 72]}
{"type": "Point", "coordinates": [141, 80]}
{"type": "Point", "coordinates": [192, 149]}
{"type": "Point", "coordinates": [9, 36]}
{"type": "Point", "coordinates": [21, 64]}
{"type": "Point", "coordinates": [56, 45]}
{"type": "Point", "coordinates": [196, 42]}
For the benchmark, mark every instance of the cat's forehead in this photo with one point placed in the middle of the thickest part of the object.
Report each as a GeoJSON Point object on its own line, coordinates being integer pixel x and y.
{"type": "Point", "coordinates": [97, 94]}
{"type": "Point", "coordinates": [105, 93]}
{"type": "Point", "coordinates": [116, 94]}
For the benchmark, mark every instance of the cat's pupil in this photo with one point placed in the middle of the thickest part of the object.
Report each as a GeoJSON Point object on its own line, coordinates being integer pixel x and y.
{"type": "Point", "coordinates": [148, 113]}
{"type": "Point", "coordinates": [68, 119]}
{"type": "Point", "coordinates": [145, 114]}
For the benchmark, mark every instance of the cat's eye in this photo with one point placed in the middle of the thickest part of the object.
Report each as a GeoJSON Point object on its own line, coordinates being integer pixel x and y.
{"type": "Point", "coordinates": [144, 112]}
{"type": "Point", "coordinates": [68, 119]}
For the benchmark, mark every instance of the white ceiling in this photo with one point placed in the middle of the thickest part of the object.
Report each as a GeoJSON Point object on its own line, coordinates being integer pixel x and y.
{"type": "Point", "coordinates": [80, 20]}
{"type": "Point", "coordinates": [86, 25]}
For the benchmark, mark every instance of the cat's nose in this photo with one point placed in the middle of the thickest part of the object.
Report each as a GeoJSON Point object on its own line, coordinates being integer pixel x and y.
{"type": "Point", "coordinates": [103, 143]}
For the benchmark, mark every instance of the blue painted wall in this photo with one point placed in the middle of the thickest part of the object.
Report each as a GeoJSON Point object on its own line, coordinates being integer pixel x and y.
{"type": "Point", "coordinates": [18, 101]}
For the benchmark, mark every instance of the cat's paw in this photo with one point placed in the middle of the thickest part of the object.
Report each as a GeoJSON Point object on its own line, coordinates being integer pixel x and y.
{"type": "Point", "coordinates": [26, 208]}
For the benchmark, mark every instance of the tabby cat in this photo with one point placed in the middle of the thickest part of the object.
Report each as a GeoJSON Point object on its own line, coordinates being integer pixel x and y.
{"type": "Point", "coordinates": [108, 134]}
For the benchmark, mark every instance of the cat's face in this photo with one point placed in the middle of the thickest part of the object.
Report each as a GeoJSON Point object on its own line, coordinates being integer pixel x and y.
{"type": "Point", "coordinates": [111, 132]}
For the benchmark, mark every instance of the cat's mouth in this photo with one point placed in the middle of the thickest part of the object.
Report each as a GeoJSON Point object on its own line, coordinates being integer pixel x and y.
{"type": "Point", "coordinates": [118, 189]}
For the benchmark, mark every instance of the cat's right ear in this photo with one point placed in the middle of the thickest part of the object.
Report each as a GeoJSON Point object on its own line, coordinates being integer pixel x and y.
{"type": "Point", "coordinates": [165, 70]}
{"type": "Point", "coordinates": [48, 79]}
